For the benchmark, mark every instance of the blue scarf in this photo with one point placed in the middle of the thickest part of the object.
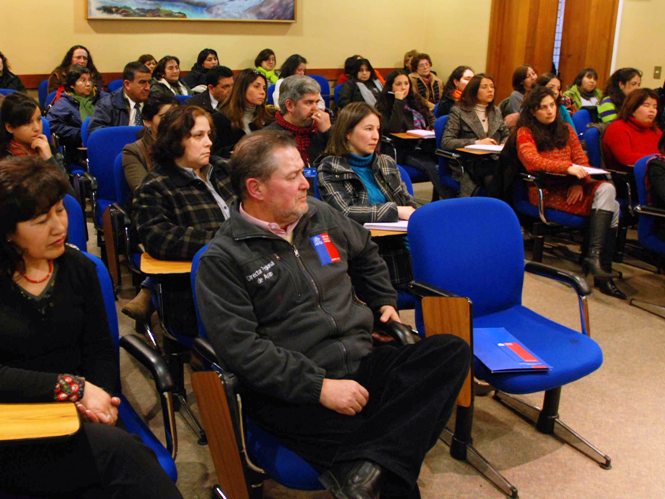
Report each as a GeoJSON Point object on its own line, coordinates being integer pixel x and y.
{"type": "Point", "coordinates": [362, 166]}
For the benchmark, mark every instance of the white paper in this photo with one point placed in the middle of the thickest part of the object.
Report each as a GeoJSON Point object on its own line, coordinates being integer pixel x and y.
{"type": "Point", "coordinates": [400, 226]}
{"type": "Point", "coordinates": [485, 147]}
{"type": "Point", "coordinates": [594, 171]}
{"type": "Point", "coordinates": [425, 134]}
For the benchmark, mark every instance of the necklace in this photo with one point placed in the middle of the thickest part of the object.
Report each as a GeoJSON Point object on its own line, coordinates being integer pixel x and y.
{"type": "Point", "coordinates": [39, 281]}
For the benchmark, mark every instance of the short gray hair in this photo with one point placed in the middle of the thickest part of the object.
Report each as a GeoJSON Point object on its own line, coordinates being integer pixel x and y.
{"type": "Point", "coordinates": [296, 87]}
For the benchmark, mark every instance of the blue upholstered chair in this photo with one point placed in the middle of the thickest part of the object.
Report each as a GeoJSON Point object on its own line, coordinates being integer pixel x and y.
{"type": "Point", "coordinates": [593, 146]}
{"type": "Point", "coordinates": [114, 85]}
{"type": "Point", "coordinates": [472, 247]}
{"type": "Point", "coordinates": [6, 91]}
{"type": "Point", "coordinates": [649, 216]}
{"type": "Point", "coordinates": [84, 131]}
{"type": "Point", "coordinates": [258, 447]}
{"type": "Point", "coordinates": [337, 94]}
{"type": "Point", "coordinates": [581, 119]}
{"type": "Point", "coordinates": [182, 99]}
{"type": "Point", "coordinates": [77, 233]}
{"type": "Point", "coordinates": [49, 100]}
{"type": "Point", "coordinates": [325, 87]}
{"type": "Point", "coordinates": [42, 92]}
{"type": "Point", "coordinates": [135, 346]}
{"type": "Point", "coordinates": [103, 147]}
{"type": "Point", "coordinates": [443, 156]}
{"type": "Point", "coordinates": [269, 95]}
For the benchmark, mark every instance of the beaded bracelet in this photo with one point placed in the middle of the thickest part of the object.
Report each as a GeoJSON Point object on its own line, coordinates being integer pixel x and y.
{"type": "Point", "coordinates": [69, 388]}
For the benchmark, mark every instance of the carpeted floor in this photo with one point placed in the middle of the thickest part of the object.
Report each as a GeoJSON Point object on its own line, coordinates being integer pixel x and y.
{"type": "Point", "coordinates": [619, 408]}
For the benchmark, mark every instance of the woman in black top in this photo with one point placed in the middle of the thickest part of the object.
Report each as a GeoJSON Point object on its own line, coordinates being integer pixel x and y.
{"type": "Point", "coordinates": [55, 345]}
{"type": "Point", "coordinates": [7, 78]}
{"type": "Point", "coordinates": [402, 109]}
{"type": "Point", "coordinates": [364, 86]}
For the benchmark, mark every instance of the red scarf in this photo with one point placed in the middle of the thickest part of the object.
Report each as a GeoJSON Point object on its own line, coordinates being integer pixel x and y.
{"type": "Point", "coordinates": [17, 149]}
{"type": "Point", "coordinates": [303, 135]}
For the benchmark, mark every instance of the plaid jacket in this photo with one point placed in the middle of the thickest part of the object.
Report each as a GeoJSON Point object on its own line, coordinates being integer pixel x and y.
{"type": "Point", "coordinates": [342, 188]}
{"type": "Point", "coordinates": [175, 214]}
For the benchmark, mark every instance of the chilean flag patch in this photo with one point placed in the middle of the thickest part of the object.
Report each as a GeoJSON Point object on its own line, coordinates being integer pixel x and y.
{"type": "Point", "coordinates": [325, 248]}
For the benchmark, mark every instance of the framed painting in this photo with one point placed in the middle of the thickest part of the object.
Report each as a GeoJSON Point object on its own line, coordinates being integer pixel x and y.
{"type": "Point", "coordinates": [194, 10]}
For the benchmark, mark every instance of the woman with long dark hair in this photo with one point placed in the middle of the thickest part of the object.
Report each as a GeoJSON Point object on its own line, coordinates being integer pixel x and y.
{"type": "Point", "coordinates": [546, 144]}
{"type": "Point", "coordinates": [453, 88]}
{"type": "Point", "coordinates": [55, 346]}
{"type": "Point", "coordinates": [403, 109]}
{"type": "Point", "coordinates": [80, 56]}
{"type": "Point", "coordinates": [622, 82]}
{"type": "Point", "coordinates": [524, 78]}
{"type": "Point", "coordinates": [294, 64]}
{"type": "Point", "coordinates": [244, 112]}
{"type": "Point", "coordinates": [476, 120]}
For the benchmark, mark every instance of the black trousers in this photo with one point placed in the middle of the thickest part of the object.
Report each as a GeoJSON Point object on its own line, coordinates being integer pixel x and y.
{"type": "Point", "coordinates": [98, 462]}
{"type": "Point", "coordinates": [412, 390]}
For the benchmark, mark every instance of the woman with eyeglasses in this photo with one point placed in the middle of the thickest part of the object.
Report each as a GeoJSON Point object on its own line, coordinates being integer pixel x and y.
{"type": "Point", "coordinates": [80, 56]}
{"type": "Point", "coordinates": [425, 82]}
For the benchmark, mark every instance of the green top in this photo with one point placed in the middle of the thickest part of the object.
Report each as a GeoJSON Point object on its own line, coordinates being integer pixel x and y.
{"type": "Point", "coordinates": [271, 76]}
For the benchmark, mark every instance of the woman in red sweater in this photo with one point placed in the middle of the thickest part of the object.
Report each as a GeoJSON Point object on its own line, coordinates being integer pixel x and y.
{"type": "Point", "coordinates": [635, 134]}
{"type": "Point", "coordinates": [546, 144]}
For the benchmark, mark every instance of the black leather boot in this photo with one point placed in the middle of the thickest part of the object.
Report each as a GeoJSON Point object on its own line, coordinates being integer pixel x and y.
{"type": "Point", "coordinates": [599, 225]}
{"type": "Point", "coordinates": [608, 286]}
{"type": "Point", "coordinates": [353, 480]}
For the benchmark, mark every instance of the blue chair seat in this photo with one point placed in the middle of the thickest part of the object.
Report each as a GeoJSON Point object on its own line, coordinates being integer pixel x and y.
{"type": "Point", "coordinates": [558, 217]}
{"type": "Point", "coordinates": [279, 462]}
{"type": "Point", "coordinates": [135, 425]}
{"type": "Point", "coordinates": [415, 174]}
{"type": "Point", "coordinates": [573, 354]}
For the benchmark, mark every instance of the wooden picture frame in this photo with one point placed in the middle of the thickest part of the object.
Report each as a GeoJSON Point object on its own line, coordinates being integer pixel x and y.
{"type": "Point", "coordinates": [276, 11]}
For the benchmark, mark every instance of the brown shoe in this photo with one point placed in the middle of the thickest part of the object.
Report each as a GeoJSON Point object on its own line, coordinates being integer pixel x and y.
{"type": "Point", "coordinates": [140, 306]}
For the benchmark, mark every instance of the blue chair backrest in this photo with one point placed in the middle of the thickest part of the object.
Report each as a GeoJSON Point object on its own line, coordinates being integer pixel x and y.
{"type": "Point", "coordinates": [192, 277]}
{"type": "Point", "coordinates": [182, 99]}
{"type": "Point", "coordinates": [336, 93]}
{"type": "Point", "coordinates": [436, 108]}
{"type": "Point", "coordinates": [121, 186]}
{"type": "Point", "coordinates": [439, 127]}
{"type": "Point", "coordinates": [106, 287]}
{"type": "Point", "coordinates": [42, 91]}
{"type": "Point", "coordinates": [103, 146]}
{"type": "Point", "coordinates": [325, 87]}
{"type": "Point", "coordinates": [581, 119]}
{"type": "Point", "coordinates": [76, 233]}
{"type": "Point", "coordinates": [471, 247]}
{"type": "Point", "coordinates": [406, 179]}
{"type": "Point", "coordinates": [49, 99]}
{"type": "Point", "coordinates": [114, 85]}
{"type": "Point", "coordinates": [310, 173]}
{"type": "Point", "coordinates": [84, 131]}
{"type": "Point", "coordinates": [592, 139]}
{"type": "Point", "coordinates": [646, 225]}
{"type": "Point", "coordinates": [46, 128]}
{"type": "Point", "coordinates": [269, 96]}
{"type": "Point", "coordinates": [7, 91]}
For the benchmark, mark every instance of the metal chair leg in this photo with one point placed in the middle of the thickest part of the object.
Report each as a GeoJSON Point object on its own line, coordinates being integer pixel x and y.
{"type": "Point", "coordinates": [461, 448]}
{"type": "Point", "coordinates": [652, 308]}
{"type": "Point", "coordinates": [547, 421]}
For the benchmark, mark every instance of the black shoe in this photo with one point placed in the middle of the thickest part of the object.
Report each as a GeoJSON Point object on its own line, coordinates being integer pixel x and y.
{"type": "Point", "coordinates": [609, 287]}
{"type": "Point", "coordinates": [353, 480]}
